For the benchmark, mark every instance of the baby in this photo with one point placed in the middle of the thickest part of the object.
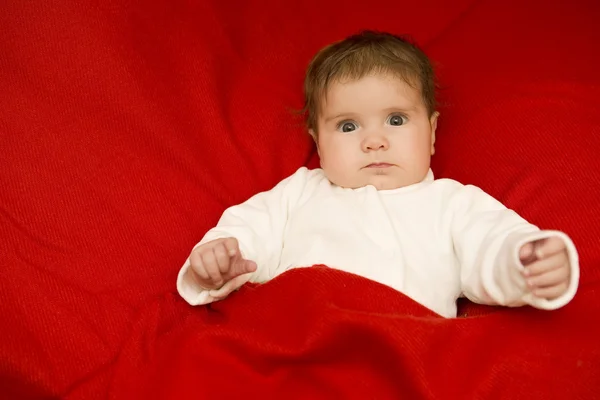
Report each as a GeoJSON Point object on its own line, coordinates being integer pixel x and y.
{"type": "Point", "coordinates": [374, 208]}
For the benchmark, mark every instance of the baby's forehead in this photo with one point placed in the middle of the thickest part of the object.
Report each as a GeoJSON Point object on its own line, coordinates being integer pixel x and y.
{"type": "Point", "coordinates": [386, 86]}
{"type": "Point", "coordinates": [411, 83]}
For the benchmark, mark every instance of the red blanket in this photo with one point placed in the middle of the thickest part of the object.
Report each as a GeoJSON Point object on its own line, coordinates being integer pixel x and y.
{"type": "Point", "coordinates": [128, 126]}
{"type": "Point", "coordinates": [324, 334]}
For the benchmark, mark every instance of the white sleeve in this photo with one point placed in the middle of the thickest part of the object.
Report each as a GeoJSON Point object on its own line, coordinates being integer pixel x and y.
{"type": "Point", "coordinates": [258, 224]}
{"type": "Point", "coordinates": [487, 237]}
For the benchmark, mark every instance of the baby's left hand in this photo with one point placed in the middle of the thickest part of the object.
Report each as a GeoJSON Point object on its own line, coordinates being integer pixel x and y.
{"type": "Point", "coordinates": [547, 268]}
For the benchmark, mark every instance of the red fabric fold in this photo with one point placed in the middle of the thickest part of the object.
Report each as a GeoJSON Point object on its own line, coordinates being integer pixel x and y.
{"type": "Point", "coordinates": [319, 333]}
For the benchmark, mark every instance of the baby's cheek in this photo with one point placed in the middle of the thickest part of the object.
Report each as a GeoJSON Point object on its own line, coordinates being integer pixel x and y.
{"type": "Point", "coordinates": [343, 162]}
{"type": "Point", "coordinates": [328, 158]}
{"type": "Point", "coordinates": [336, 169]}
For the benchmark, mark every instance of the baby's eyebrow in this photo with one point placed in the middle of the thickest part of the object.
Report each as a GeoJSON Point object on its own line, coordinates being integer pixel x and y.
{"type": "Point", "coordinates": [342, 115]}
{"type": "Point", "coordinates": [401, 109]}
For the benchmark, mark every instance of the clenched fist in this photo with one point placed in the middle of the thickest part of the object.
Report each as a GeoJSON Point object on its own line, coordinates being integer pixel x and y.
{"type": "Point", "coordinates": [547, 268]}
{"type": "Point", "coordinates": [214, 263]}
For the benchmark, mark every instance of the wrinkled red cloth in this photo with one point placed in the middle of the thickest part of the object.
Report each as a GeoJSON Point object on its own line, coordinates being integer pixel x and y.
{"type": "Point", "coordinates": [323, 334]}
{"type": "Point", "coordinates": [127, 127]}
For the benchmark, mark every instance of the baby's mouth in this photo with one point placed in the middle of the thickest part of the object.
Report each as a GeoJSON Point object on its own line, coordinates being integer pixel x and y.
{"type": "Point", "coordinates": [379, 165]}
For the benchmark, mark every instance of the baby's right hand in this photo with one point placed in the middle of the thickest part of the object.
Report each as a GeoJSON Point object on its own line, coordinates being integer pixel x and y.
{"type": "Point", "coordinates": [215, 263]}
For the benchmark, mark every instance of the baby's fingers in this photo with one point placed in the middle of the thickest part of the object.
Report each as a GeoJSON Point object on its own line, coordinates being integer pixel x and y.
{"type": "Point", "coordinates": [527, 253]}
{"type": "Point", "coordinates": [232, 246]}
{"type": "Point", "coordinates": [550, 278]}
{"type": "Point", "coordinates": [547, 264]}
{"type": "Point", "coordinates": [551, 292]}
{"type": "Point", "coordinates": [211, 266]}
{"type": "Point", "coordinates": [550, 246]}
{"type": "Point", "coordinates": [241, 267]}
{"type": "Point", "coordinates": [197, 265]}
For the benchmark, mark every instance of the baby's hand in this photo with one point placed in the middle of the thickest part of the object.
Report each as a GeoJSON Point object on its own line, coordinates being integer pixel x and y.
{"type": "Point", "coordinates": [214, 263]}
{"type": "Point", "coordinates": [547, 268]}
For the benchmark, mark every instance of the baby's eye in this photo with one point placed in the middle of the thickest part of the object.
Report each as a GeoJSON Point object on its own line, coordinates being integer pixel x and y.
{"type": "Point", "coordinates": [347, 126]}
{"type": "Point", "coordinates": [396, 120]}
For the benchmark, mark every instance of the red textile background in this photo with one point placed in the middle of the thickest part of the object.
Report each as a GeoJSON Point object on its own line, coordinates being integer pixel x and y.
{"type": "Point", "coordinates": [127, 126]}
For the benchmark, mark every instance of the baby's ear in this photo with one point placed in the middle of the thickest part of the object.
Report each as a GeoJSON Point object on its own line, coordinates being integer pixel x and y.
{"type": "Point", "coordinates": [313, 134]}
{"type": "Point", "coordinates": [433, 122]}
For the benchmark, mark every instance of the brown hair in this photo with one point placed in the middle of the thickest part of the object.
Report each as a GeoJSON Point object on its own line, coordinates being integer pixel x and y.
{"type": "Point", "coordinates": [360, 55]}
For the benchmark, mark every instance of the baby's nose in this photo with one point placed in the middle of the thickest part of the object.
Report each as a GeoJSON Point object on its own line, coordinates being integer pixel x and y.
{"type": "Point", "coordinates": [375, 142]}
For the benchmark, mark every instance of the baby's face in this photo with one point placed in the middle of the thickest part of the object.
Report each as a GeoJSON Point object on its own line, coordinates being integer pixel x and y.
{"type": "Point", "coordinates": [375, 131]}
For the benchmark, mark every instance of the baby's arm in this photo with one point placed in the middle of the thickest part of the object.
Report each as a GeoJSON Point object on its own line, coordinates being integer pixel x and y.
{"type": "Point", "coordinates": [258, 225]}
{"type": "Point", "coordinates": [489, 242]}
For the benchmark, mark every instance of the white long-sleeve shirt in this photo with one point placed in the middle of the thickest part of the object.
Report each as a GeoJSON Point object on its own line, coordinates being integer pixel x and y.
{"type": "Point", "coordinates": [434, 241]}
